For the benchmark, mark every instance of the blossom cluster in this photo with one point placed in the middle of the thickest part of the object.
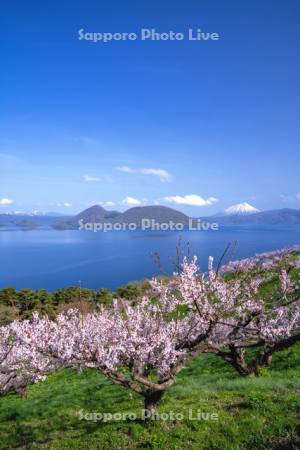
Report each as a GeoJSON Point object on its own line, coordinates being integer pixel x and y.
{"type": "Point", "coordinates": [144, 345]}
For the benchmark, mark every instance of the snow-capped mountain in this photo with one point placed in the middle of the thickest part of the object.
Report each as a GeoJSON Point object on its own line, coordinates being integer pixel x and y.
{"type": "Point", "coordinates": [241, 208]}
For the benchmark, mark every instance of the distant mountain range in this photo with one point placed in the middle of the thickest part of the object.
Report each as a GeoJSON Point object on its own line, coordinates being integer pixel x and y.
{"type": "Point", "coordinates": [27, 222]}
{"type": "Point", "coordinates": [284, 216]}
{"type": "Point", "coordinates": [160, 214]}
{"type": "Point", "coordinates": [96, 214]}
{"type": "Point", "coordinates": [34, 213]}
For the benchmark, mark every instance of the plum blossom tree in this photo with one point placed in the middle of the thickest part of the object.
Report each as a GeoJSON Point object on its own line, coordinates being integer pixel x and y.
{"type": "Point", "coordinates": [20, 363]}
{"type": "Point", "coordinates": [277, 327]}
{"type": "Point", "coordinates": [143, 346]}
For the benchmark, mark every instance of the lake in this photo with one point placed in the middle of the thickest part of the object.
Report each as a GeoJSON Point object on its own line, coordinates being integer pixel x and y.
{"type": "Point", "coordinates": [52, 259]}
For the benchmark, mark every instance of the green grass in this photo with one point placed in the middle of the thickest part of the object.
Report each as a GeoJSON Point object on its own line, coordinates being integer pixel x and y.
{"type": "Point", "coordinates": [254, 413]}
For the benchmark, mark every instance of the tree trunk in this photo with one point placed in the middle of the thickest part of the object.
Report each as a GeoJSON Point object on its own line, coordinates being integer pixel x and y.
{"type": "Point", "coordinates": [240, 366]}
{"type": "Point", "coordinates": [236, 358]}
{"type": "Point", "coordinates": [269, 360]}
{"type": "Point", "coordinates": [150, 404]}
{"type": "Point", "coordinates": [264, 359]}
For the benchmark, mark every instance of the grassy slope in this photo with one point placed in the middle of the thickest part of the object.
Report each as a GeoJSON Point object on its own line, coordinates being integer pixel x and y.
{"type": "Point", "coordinates": [253, 413]}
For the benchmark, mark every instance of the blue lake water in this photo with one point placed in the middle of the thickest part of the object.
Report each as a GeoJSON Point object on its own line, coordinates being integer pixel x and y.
{"type": "Point", "coordinates": [51, 259]}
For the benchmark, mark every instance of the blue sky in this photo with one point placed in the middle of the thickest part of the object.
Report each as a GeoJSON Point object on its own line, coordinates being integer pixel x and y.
{"type": "Point", "coordinates": [196, 125]}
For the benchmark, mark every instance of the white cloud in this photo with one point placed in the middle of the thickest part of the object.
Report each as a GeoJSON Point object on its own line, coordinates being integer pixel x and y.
{"type": "Point", "coordinates": [131, 201]}
{"type": "Point", "coordinates": [286, 198]}
{"type": "Point", "coordinates": [108, 203]}
{"type": "Point", "coordinates": [89, 178]}
{"type": "Point", "coordinates": [162, 174]}
{"type": "Point", "coordinates": [127, 169]}
{"type": "Point", "coordinates": [191, 200]}
{"type": "Point", "coordinates": [5, 202]}
{"type": "Point", "coordinates": [65, 205]}
{"type": "Point", "coordinates": [290, 198]}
